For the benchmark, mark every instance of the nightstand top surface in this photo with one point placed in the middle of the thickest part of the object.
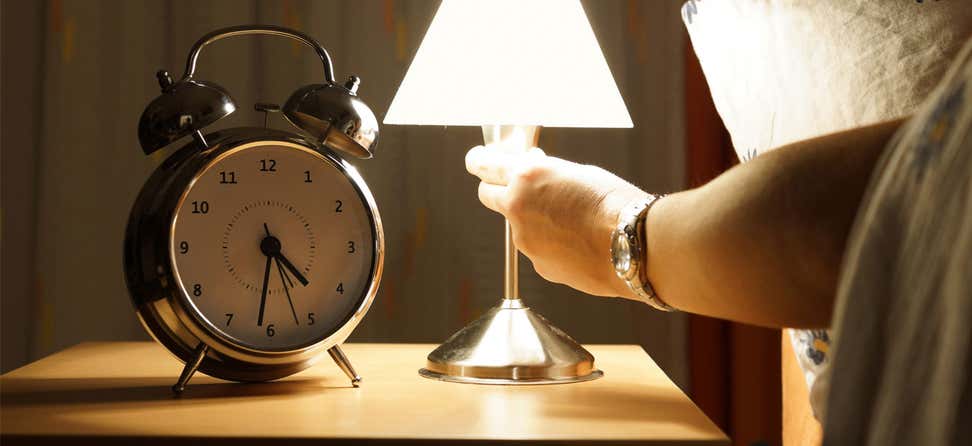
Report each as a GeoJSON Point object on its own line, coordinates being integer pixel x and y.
{"type": "Point", "coordinates": [121, 391]}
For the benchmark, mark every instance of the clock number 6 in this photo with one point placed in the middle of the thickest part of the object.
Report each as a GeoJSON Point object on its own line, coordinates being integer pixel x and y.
{"type": "Point", "coordinates": [270, 331]}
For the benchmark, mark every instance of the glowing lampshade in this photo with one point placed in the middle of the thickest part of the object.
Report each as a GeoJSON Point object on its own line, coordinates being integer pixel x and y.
{"type": "Point", "coordinates": [502, 62]}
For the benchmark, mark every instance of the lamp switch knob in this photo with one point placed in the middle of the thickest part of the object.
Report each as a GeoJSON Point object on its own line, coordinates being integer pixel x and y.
{"type": "Point", "coordinates": [352, 84]}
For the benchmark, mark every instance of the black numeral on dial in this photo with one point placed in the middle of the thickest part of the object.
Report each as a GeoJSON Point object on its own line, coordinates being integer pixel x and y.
{"type": "Point", "coordinates": [229, 318]}
{"type": "Point", "coordinates": [350, 247]}
{"type": "Point", "coordinates": [310, 319]}
{"type": "Point", "coordinates": [307, 178]}
{"type": "Point", "coordinates": [227, 178]}
{"type": "Point", "coordinates": [268, 165]}
{"type": "Point", "coordinates": [200, 207]}
{"type": "Point", "coordinates": [340, 288]}
{"type": "Point", "coordinates": [183, 247]}
{"type": "Point", "coordinates": [339, 204]}
{"type": "Point", "coordinates": [271, 331]}
{"type": "Point", "coordinates": [197, 290]}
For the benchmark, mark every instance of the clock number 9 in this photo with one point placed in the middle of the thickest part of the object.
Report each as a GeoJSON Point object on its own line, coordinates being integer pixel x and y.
{"type": "Point", "coordinates": [183, 247]}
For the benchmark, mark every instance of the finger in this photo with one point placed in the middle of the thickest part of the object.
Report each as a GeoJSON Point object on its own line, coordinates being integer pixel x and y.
{"type": "Point", "coordinates": [493, 196]}
{"type": "Point", "coordinates": [536, 151]}
{"type": "Point", "coordinates": [491, 166]}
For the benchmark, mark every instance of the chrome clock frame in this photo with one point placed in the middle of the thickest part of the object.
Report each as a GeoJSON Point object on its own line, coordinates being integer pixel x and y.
{"type": "Point", "coordinates": [153, 283]}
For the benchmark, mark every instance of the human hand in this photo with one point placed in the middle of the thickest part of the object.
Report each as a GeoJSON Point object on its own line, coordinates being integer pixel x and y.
{"type": "Point", "coordinates": [561, 213]}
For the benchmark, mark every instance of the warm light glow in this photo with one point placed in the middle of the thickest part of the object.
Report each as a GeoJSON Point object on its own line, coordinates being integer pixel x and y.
{"type": "Point", "coordinates": [526, 62]}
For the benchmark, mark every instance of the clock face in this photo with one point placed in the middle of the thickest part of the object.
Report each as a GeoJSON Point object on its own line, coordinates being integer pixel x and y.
{"type": "Point", "coordinates": [273, 246]}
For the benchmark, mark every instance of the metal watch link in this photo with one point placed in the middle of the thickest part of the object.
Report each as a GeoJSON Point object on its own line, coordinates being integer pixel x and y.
{"type": "Point", "coordinates": [627, 251]}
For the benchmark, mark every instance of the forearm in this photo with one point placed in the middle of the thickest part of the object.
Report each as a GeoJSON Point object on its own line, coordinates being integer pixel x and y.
{"type": "Point", "coordinates": [763, 242]}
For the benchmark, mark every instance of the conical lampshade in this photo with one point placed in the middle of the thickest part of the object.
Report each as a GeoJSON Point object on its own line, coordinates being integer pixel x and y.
{"type": "Point", "coordinates": [509, 62]}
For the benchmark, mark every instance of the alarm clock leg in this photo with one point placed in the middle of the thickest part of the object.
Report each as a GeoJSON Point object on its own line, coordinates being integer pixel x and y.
{"type": "Point", "coordinates": [190, 368]}
{"type": "Point", "coordinates": [342, 361]}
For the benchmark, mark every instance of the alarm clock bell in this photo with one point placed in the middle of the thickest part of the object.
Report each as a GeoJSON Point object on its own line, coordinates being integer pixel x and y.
{"type": "Point", "coordinates": [330, 112]}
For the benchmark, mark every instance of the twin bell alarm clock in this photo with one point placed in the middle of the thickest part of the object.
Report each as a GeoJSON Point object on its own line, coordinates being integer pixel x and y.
{"type": "Point", "coordinates": [251, 251]}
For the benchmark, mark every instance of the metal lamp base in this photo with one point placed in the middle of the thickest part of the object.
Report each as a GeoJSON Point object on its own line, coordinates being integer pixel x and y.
{"type": "Point", "coordinates": [511, 344]}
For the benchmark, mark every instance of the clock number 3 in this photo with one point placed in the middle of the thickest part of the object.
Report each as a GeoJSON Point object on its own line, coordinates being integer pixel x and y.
{"type": "Point", "coordinates": [350, 247]}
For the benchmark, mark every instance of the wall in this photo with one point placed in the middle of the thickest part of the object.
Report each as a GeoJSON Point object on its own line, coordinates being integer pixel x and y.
{"type": "Point", "coordinates": [21, 39]}
{"type": "Point", "coordinates": [95, 73]}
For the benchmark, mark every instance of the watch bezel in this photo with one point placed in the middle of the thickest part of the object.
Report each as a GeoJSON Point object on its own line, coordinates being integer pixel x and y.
{"type": "Point", "coordinates": [629, 249]}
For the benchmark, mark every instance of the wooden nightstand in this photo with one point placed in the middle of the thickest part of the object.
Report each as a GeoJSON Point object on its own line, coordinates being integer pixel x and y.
{"type": "Point", "coordinates": [119, 393]}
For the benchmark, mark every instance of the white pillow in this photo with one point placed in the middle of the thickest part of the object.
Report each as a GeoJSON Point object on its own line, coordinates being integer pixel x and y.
{"type": "Point", "coordinates": [786, 70]}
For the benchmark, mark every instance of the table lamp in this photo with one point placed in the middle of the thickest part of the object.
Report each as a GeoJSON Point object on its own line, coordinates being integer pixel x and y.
{"type": "Point", "coordinates": [511, 67]}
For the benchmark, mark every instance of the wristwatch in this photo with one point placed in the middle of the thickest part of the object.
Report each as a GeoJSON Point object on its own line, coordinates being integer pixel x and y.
{"type": "Point", "coordinates": [628, 251]}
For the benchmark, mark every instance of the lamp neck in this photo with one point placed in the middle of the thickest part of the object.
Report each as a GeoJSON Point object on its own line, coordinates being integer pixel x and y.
{"type": "Point", "coordinates": [518, 138]}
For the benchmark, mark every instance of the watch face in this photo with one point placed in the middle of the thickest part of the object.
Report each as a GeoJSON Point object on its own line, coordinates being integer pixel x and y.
{"type": "Point", "coordinates": [273, 247]}
{"type": "Point", "coordinates": [621, 252]}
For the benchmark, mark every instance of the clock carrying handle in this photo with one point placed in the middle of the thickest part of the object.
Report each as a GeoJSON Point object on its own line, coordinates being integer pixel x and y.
{"type": "Point", "coordinates": [270, 30]}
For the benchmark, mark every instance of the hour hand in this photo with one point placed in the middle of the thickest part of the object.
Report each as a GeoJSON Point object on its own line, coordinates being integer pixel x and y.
{"type": "Point", "coordinates": [290, 267]}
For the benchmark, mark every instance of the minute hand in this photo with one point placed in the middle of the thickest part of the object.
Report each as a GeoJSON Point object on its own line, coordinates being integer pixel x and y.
{"type": "Point", "coordinates": [290, 267]}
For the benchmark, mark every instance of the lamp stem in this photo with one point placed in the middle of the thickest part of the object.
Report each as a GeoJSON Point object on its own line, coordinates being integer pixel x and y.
{"type": "Point", "coordinates": [511, 274]}
{"type": "Point", "coordinates": [512, 138]}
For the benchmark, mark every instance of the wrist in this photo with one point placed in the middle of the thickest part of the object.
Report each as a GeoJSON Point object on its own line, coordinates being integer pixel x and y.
{"type": "Point", "coordinates": [629, 255]}
{"type": "Point", "coordinates": [608, 214]}
{"type": "Point", "coordinates": [657, 253]}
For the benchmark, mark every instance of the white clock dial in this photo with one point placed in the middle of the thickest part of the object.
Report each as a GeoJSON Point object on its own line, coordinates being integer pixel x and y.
{"type": "Point", "coordinates": [273, 246]}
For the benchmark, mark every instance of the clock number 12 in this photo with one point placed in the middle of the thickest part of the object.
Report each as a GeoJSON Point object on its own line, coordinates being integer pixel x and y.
{"type": "Point", "coordinates": [268, 165]}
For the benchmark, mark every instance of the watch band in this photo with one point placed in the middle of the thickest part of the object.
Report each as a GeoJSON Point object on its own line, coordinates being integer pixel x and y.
{"type": "Point", "coordinates": [639, 283]}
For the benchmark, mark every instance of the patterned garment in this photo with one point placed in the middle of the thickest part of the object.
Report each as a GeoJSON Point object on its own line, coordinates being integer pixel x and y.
{"type": "Point", "coordinates": [812, 348]}
{"type": "Point", "coordinates": [901, 369]}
